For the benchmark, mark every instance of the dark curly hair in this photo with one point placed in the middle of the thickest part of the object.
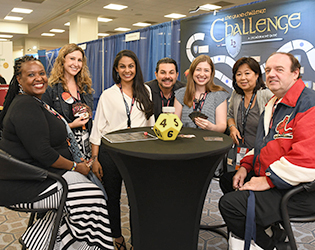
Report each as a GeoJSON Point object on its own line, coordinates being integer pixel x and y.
{"type": "Point", "coordinates": [14, 85]}
{"type": "Point", "coordinates": [254, 66]}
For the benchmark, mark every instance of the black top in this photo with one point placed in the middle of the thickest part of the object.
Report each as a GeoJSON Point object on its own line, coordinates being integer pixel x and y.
{"type": "Point", "coordinates": [251, 125]}
{"type": "Point", "coordinates": [34, 135]}
{"type": "Point", "coordinates": [53, 97]}
{"type": "Point", "coordinates": [157, 98]}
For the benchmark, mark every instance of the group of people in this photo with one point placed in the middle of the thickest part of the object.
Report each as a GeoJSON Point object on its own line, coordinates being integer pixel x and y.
{"type": "Point", "coordinates": [40, 113]}
{"type": "Point", "coordinates": [34, 132]}
{"type": "Point", "coordinates": [281, 157]}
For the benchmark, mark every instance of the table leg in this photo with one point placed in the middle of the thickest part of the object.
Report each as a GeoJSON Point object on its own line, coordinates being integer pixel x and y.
{"type": "Point", "coordinates": [166, 199]}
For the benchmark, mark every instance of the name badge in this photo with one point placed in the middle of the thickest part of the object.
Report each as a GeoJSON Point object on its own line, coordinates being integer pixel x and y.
{"type": "Point", "coordinates": [241, 152]}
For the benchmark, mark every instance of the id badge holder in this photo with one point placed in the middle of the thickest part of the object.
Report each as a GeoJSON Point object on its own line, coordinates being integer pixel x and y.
{"type": "Point", "coordinates": [86, 143]}
{"type": "Point", "coordinates": [241, 152]}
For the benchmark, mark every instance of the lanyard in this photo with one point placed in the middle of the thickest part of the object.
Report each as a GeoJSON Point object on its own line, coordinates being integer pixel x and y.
{"type": "Point", "coordinates": [71, 100]}
{"type": "Point", "coordinates": [198, 104]}
{"type": "Point", "coordinates": [166, 101]}
{"type": "Point", "coordinates": [245, 114]}
{"type": "Point", "coordinates": [128, 112]}
{"type": "Point", "coordinates": [50, 109]}
{"type": "Point", "coordinates": [72, 143]}
{"type": "Point", "coordinates": [78, 95]}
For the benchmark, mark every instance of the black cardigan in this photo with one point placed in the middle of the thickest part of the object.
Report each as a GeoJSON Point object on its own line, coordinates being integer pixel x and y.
{"type": "Point", "coordinates": [34, 135]}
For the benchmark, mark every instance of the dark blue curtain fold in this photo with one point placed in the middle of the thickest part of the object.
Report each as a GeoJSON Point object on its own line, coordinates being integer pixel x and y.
{"type": "Point", "coordinates": [51, 56]}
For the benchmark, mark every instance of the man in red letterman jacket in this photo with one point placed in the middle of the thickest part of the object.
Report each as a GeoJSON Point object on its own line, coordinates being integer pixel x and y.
{"type": "Point", "coordinates": [283, 157]}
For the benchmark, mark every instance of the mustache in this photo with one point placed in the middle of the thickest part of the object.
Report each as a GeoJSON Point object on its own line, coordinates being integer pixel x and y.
{"type": "Point", "coordinates": [167, 79]}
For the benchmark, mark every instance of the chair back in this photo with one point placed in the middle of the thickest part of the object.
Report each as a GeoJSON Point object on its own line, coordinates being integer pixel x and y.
{"type": "Point", "coordinates": [13, 169]}
{"type": "Point", "coordinates": [286, 219]}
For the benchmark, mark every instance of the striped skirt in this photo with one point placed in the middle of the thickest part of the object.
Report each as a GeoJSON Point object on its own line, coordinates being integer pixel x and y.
{"type": "Point", "coordinates": [85, 223]}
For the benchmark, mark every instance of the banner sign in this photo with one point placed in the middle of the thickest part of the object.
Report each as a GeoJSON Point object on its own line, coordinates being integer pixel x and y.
{"type": "Point", "coordinates": [255, 30]}
{"type": "Point", "coordinates": [6, 60]}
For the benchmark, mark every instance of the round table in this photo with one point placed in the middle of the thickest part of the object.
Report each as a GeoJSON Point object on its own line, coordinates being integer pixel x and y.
{"type": "Point", "coordinates": [166, 183]}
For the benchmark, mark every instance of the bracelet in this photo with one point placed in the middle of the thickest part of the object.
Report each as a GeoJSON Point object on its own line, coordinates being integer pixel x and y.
{"type": "Point", "coordinates": [232, 126]}
{"type": "Point", "coordinates": [74, 167]}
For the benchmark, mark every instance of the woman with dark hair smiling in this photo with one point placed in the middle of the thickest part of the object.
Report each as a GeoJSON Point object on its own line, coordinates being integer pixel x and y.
{"type": "Point", "coordinates": [247, 101]}
{"type": "Point", "coordinates": [34, 133]}
{"type": "Point", "coordinates": [124, 105]}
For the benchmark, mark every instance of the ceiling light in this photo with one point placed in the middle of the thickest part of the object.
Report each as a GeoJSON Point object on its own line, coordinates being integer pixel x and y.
{"type": "Point", "coordinates": [47, 34]}
{"type": "Point", "coordinates": [13, 18]}
{"type": "Point", "coordinates": [174, 15]}
{"type": "Point", "coordinates": [67, 24]}
{"type": "Point", "coordinates": [104, 20]}
{"type": "Point", "coordinates": [122, 29]}
{"type": "Point", "coordinates": [140, 24]}
{"type": "Point", "coordinates": [103, 34]}
{"type": "Point", "coordinates": [5, 36]}
{"type": "Point", "coordinates": [113, 6]}
{"type": "Point", "coordinates": [208, 7]}
{"type": "Point", "coordinates": [194, 10]}
{"type": "Point", "coordinates": [21, 10]}
{"type": "Point", "coordinates": [57, 30]}
{"type": "Point", "coordinates": [3, 40]}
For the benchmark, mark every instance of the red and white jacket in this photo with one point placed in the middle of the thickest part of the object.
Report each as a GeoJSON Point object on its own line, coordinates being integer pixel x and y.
{"type": "Point", "coordinates": [285, 153]}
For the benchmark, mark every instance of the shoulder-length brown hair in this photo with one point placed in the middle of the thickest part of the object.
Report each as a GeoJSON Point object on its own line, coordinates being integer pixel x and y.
{"type": "Point", "coordinates": [191, 85]}
{"type": "Point", "coordinates": [82, 79]}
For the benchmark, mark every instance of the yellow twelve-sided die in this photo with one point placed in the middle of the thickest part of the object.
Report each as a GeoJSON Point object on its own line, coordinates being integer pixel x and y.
{"type": "Point", "coordinates": [167, 127]}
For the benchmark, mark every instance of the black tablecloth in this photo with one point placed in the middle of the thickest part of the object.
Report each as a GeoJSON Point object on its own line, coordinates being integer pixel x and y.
{"type": "Point", "coordinates": [166, 183]}
{"type": "Point", "coordinates": [181, 148]}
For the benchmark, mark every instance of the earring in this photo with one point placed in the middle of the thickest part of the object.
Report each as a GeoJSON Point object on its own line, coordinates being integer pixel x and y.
{"type": "Point", "coordinates": [21, 89]}
{"type": "Point", "coordinates": [118, 77]}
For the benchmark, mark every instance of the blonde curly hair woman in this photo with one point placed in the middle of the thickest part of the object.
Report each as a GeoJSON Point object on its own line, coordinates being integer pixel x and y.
{"type": "Point", "coordinates": [70, 93]}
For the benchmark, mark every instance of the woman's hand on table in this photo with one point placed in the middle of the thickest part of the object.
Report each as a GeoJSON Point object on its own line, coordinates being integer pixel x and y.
{"type": "Point", "coordinates": [235, 135]}
{"type": "Point", "coordinates": [97, 169]}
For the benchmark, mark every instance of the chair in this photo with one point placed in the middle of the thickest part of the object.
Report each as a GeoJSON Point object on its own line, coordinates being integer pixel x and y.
{"type": "Point", "coordinates": [13, 169]}
{"type": "Point", "coordinates": [286, 219]}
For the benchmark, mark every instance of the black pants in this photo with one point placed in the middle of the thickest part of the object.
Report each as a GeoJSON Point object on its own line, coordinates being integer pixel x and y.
{"type": "Point", "coordinates": [112, 182]}
{"type": "Point", "coordinates": [233, 207]}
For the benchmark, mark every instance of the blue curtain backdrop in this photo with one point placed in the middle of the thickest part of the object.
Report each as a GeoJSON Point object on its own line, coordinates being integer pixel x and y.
{"type": "Point", "coordinates": [156, 42]}
{"type": "Point", "coordinates": [51, 56]}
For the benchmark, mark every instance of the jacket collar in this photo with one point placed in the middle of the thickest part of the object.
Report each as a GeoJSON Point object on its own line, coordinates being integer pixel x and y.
{"type": "Point", "coordinates": [293, 94]}
{"type": "Point", "coordinates": [290, 99]}
{"type": "Point", "coordinates": [155, 87]}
